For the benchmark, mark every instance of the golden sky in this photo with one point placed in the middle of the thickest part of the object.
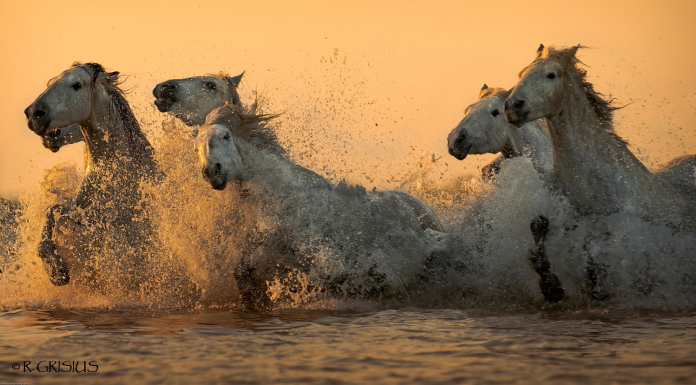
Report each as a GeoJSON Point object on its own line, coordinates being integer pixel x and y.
{"type": "Point", "coordinates": [366, 86]}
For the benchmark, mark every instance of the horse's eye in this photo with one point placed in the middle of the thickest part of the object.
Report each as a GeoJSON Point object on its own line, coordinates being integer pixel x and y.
{"type": "Point", "coordinates": [495, 112]}
{"type": "Point", "coordinates": [551, 75]}
{"type": "Point", "coordinates": [76, 86]}
{"type": "Point", "coordinates": [227, 136]}
{"type": "Point", "coordinates": [210, 85]}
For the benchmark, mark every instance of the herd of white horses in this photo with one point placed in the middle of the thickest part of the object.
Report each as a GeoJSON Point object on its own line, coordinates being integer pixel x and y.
{"type": "Point", "coordinates": [553, 115]}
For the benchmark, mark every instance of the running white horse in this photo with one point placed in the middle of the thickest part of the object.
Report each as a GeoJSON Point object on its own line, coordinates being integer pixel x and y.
{"type": "Point", "coordinates": [304, 209]}
{"type": "Point", "coordinates": [189, 99]}
{"type": "Point", "coordinates": [484, 130]}
{"type": "Point", "coordinates": [119, 159]}
{"type": "Point", "coordinates": [592, 165]}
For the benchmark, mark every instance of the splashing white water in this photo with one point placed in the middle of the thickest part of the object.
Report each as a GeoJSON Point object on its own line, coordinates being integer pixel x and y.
{"type": "Point", "coordinates": [201, 235]}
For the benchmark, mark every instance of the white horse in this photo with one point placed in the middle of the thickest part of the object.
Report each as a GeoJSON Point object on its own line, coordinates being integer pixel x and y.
{"type": "Point", "coordinates": [192, 99]}
{"type": "Point", "coordinates": [592, 165]}
{"type": "Point", "coordinates": [119, 159]}
{"type": "Point", "coordinates": [304, 207]}
{"type": "Point", "coordinates": [484, 130]}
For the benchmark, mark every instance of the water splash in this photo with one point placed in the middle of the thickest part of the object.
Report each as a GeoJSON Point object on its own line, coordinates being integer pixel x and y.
{"type": "Point", "coordinates": [201, 234]}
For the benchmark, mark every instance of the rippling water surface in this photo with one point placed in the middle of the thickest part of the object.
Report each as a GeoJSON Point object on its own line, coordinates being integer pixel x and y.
{"type": "Point", "coordinates": [319, 346]}
{"type": "Point", "coordinates": [369, 305]}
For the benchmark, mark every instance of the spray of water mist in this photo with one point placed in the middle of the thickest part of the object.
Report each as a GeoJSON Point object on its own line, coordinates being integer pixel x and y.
{"type": "Point", "coordinates": [201, 234]}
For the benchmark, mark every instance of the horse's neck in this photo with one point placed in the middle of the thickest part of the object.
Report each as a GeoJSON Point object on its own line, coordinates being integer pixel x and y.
{"type": "Point", "coordinates": [105, 138]}
{"type": "Point", "coordinates": [512, 146]}
{"type": "Point", "coordinates": [532, 137]}
{"type": "Point", "coordinates": [266, 173]}
{"type": "Point", "coordinates": [593, 167]}
{"type": "Point", "coordinates": [533, 140]}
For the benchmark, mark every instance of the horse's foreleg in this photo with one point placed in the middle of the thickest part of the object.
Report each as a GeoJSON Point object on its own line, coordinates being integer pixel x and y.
{"type": "Point", "coordinates": [491, 170]}
{"type": "Point", "coordinates": [595, 274]}
{"type": "Point", "coordinates": [57, 269]}
{"type": "Point", "coordinates": [252, 290]}
{"type": "Point", "coordinates": [549, 283]}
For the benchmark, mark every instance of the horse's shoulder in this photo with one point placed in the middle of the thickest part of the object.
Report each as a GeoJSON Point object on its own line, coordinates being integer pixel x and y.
{"type": "Point", "coordinates": [537, 130]}
{"type": "Point", "coordinates": [535, 136]}
{"type": "Point", "coordinates": [680, 172]}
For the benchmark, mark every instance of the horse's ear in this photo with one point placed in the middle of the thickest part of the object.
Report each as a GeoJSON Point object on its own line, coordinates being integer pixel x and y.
{"type": "Point", "coordinates": [485, 91]}
{"type": "Point", "coordinates": [540, 51]}
{"type": "Point", "coordinates": [574, 49]}
{"type": "Point", "coordinates": [112, 76]}
{"type": "Point", "coordinates": [235, 80]}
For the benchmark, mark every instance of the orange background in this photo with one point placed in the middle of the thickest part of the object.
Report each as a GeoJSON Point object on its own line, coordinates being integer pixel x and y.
{"type": "Point", "coordinates": [367, 87]}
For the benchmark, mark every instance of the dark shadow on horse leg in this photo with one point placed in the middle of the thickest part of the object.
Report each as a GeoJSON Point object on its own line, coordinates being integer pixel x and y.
{"type": "Point", "coordinates": [252, 290]}
{"type": "Point", "coordinates": [595, 274]}
{"type": "Point", "coordinates": [57, 269]}
{"type": "Point", "coordinates": [549, 283]}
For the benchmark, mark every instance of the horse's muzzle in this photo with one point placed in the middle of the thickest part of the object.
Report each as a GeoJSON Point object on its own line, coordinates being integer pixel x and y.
{"type": "Point", "coordinates": [38, 118]}
{"type": "Point", "coordinates": [218, 185]}
{"type": "Point", "coordinates": [213, 174]}
{"type": "Point", "coordinates": [165, 95]}
{"type": "Point", "coordinates": [515, 112]}
{"type": "Point", "coordinates": [456, 144]}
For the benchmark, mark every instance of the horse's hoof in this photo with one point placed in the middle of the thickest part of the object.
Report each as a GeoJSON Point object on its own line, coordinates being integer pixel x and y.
{"type": "Point", "coordinates": [58, 271]}
{"type": "Point", "coordinates": [257, 304]}
{"type": "Point", "coordinates": [539, 227]}
{"type": "Point", "coordinates": [599, 295]}
{"type": "Point", "coordinates": [551, 289]}
{"type": "Point", "coordinates": [554, 295]}
{"type": "Point", "coordinates": [46, 249]}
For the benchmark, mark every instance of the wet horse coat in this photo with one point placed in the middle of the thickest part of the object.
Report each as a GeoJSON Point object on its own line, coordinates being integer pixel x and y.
{"type": "Point", "coordinates": [485, 130]}
{"type": "Point", "coordinates": [119, 158]}
{"type": "Point", "coordinates": [592, 166]}
{"type": "Point", "coordinates": [306, 211]}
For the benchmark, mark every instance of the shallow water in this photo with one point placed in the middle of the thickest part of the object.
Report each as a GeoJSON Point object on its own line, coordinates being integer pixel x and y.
{"type": "Point", "coordinates": [478, 318]}
{"type": "Point", "coordinates": [319, 346]}
{"type": "Point", "coordinates": [400, 308]}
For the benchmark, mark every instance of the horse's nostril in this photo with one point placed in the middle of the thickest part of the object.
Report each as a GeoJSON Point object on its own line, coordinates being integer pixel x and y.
{"type": "Point", "coordinates": [40, 114]}
{"type": "Point", "coordinates": [218, 168]}
{"type": "Point", "coordinates": [460, 139]}
{"type": "Point", "coordinates": [518, 104]}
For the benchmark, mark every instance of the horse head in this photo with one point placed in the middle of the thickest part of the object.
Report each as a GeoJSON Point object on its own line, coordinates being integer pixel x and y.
{"type": "Point", "coordinates": [217, 149]}
{"type": "Point", "coordinates": [192, 99]}
{"type": "Point", "coordinates": [484, 128]}
{"type": "Point", "coordinates": [542, 86]}
{"type": "Point", "coordinates": [68, 98]}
